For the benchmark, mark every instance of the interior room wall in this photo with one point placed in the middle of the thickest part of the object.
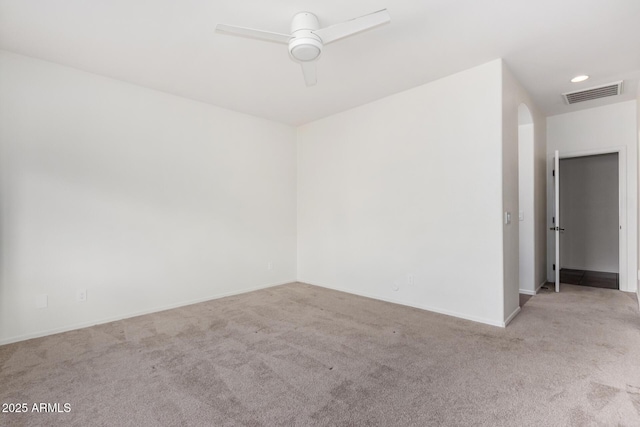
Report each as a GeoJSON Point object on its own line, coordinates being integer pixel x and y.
{"type": "Point", "coordinates": [526, 208]}
{"type": "Point", "coordinates": [144, 199]}
{"type": "Point", "coordinates": [589, 212]}
{"type": "Point", "coordinates": [150, 201]}
{"type": "Point", "coordinates": [593, 131]}
{"type": "Point", "coordinates": [540, 199]}
{"type": "Point", "coordinates": [401, 199]}
{"type": "Point", "coordinates": [513, 96]}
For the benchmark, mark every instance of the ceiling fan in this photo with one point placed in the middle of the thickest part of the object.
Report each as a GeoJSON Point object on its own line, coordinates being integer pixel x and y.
{"type": "Point", "coordinates": [307, 38]}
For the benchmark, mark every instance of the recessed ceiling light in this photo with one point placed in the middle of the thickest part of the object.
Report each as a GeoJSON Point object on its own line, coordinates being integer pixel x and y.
{"type": "Point", "coordinates": [578, 79]}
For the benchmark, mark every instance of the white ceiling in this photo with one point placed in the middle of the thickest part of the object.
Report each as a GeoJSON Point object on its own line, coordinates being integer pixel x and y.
{"type": "Point", "coordinates": [171, 46]}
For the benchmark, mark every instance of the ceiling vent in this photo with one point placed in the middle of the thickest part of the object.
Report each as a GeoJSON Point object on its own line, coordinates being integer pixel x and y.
{"type": "Point", "coordinates": [611, 89]}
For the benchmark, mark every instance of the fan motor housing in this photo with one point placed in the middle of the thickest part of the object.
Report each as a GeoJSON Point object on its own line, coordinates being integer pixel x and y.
{"type": "Point", "coordinates": [304, 21]}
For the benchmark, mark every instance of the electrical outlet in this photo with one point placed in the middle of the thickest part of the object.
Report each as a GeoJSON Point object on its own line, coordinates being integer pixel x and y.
{"type": "Point", "coordinates": [42, 301]}
{"type": "Point", "coordinates": [410, 279]}
{"type": "Point", "coordinates": [81, 295]}
{"type": "Point", "coordinates": [270, 265]}
{"type": "Point", "coordinates": [396, 287]}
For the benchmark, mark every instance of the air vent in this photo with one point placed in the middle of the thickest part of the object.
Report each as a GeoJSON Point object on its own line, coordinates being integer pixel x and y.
{"type": "Point", "coordinates": [611, 89]}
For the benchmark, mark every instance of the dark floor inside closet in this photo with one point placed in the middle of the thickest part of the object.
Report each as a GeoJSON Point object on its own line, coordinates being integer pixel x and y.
{"type": "Point", "coordinates": [594, 279]}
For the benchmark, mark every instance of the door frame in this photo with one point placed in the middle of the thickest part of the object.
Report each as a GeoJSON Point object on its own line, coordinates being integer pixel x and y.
{"type": "Point", "coordinates": [556, 212]}
{"type": "Point", "coordinates": [622, 209]}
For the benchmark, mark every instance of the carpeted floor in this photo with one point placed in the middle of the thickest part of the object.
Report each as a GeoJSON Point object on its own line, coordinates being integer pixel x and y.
{"type": "Point", "coordinates": [298, 355]}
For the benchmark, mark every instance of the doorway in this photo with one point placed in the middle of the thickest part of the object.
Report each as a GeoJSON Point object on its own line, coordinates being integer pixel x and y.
{"type": "Point", "coordinates": [590, 212]}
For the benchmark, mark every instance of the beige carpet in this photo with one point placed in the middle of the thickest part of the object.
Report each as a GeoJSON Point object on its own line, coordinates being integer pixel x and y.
{"type": "Point", "coordinates": [299, 355]}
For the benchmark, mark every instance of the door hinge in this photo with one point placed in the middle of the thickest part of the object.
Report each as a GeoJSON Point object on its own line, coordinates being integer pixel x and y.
{"type": "Point", "coordinates": [553, 219]}
{"type": "Point", "coordinates": [554, 267]}
{"type": "Point", "coordinates": [553, 173]}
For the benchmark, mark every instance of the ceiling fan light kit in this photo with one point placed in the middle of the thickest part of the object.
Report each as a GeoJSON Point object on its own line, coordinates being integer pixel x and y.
{"type": "Point", "coordinates": [307, 39]}
{"type": "Point", "coordinates": [305, 50]}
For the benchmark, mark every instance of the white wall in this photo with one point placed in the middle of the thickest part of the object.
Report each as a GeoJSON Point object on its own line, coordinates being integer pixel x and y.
{"type": "Point", "coordinates": [145, 199]}
{"type": "Point", "coordinates": [513, 96]}
{"type": "Point", "coordinates": [526, 208]}
{"type": "Point", "coordinates": [589, 213]}
{"type": "Point", "coordinates": [151, 201]}
{"type": "Point", "coordinates": [409, 186]}
{"type": "Point", "coordinates": [594, 131]}
{"type": "Point", "coordinates": [540, 199]}
{"type": "Point", "coordinates": [638, 186]}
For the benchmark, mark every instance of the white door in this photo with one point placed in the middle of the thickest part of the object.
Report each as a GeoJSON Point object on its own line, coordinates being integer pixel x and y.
{"type": "Point", "coordinates": [556, 224]}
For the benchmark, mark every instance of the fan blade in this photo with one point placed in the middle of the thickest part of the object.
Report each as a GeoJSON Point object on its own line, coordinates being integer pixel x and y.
{"type": "Point", "coordinates": [254, 34]}
{"type": "Point", "coordinates": [353, 26]}
{"type": "Point", "coordinates": [309, 71]}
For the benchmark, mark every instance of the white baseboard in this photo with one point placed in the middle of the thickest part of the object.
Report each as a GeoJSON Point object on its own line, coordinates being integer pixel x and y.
{"type": "Point", "coordinates": [81, 325]}
{"type": "Point", "coordinates": [510, 318]}
{"type": "Point", "coordinates": [420, 306]}
{"type": "Point", "coordinates": [528, 292]}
